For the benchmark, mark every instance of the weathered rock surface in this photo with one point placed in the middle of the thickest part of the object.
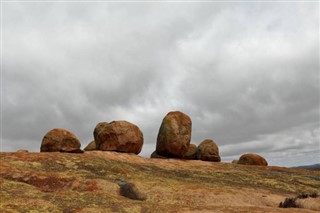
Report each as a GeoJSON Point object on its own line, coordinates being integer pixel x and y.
{"type": "Point", "coordinates": [57, 140]}
{"type": "Point", "coordinates": [98, 128]}
{"type": "Point", "coordinates": [174, 135]}
{"type": "Point", "coordinates": [156, 155]}
{"type": "Point", "coordinates": [121, 136]}
{"type": "Point", "coordinates": [191, 153]}
{"type": "Point", "coordinates": [62, 182]}
{"type": "Point", "coordinates": [252, 159]}
{"type": "Point", "coordinates": [91, 146]}
{"type": "Point", "coordinates": [22, 150]}
{"type": "Point", "coordinates": [129, 190]}
{"type": "Point", "coordinates": [208, 151]}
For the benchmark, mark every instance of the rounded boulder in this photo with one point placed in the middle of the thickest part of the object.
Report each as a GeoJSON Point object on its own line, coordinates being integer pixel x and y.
{"type": "Point", "coordinates": [174, 135]}
{"type": "Point", "coordinates": [121, 136]}
{"type": "Point", "coordinates": [57, 140]}
{"type": "Point", "coordinates": [252, 159]}
{"type": "Point", "coordinates": [208, 151]}
{"type": "Point", "coordinates": [191, 153]}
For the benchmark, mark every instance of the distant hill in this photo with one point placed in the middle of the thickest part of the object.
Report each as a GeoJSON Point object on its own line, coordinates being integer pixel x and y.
{"type": "Point", "coordinates": [314, 167]}
{"type": "Point", "coordinates": [91, 183]}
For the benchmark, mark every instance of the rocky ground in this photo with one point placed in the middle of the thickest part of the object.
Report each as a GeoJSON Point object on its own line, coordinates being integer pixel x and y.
{"type": "Point", "coordinates": [89, 182]}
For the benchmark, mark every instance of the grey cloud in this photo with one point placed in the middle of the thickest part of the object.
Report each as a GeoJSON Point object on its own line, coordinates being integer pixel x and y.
{"type": "Point", "coordinates": [244, 72]}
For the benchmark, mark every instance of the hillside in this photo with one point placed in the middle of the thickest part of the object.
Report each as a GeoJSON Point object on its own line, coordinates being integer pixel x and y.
{"type": "Point", "coordinates": [87, 182]}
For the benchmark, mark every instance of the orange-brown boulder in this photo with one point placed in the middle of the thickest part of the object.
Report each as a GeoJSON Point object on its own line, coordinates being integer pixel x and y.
{"type": "Point", "coordinates": [252, 159]}
{"type": "Point", "coordinates": [208, 151]}
{"type": "Point", "coordinates": [174, 135]}
{"type": "Point", "coordinates": [57, 140]}
{"type": "Point", "coordinates": [191, 153]}
{"type": "Point", "coordinates": [91, 146]}
{"type": "Point", "coordinates": [121, 136]}
{"type": "Point", "coordinates": [98, 128]}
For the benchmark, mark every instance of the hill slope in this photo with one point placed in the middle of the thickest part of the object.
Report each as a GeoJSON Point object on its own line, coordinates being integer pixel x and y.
{"type": "Point", "coordinates": [65, 182]}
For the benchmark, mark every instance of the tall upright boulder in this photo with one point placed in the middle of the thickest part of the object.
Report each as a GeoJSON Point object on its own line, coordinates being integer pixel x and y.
{"type": "Point", "coordinates": [121, 136]}
{"type": "Point", "coordinates": [252, 159]}
{"type": "Point", "coordinates": [208, 151]}
{"type": "Point", "coordinates": [174, 135]}
{"type": "Point", "coordinates": [60, 140]}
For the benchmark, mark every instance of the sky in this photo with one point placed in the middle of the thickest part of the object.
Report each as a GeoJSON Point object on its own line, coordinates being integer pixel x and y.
{"type": "Point", "coordinates": [247, 73]}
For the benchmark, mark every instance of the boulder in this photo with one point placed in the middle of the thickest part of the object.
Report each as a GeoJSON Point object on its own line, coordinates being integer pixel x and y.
{"type": "Point", "coordinates": [252, 159]}
{"type": "Point", "coordinates": [121, 136]}
{"type": "Point", "coordinates": [174, 135]}
{"type": "Point", "coordinates": [156, 155]}
{"type": "Point", "coordinates": [98, 128]}
{"type": "Point", "coordinates": [235, 161]}
{"type": "Point", "coordinates": [22, 150]}
{"type": "Point", "coordinates": [208, 151]}
{"type": "Point", "coordinates": [57, 140]}
{"type": "Point", "coordinates": [129, 190]}
{"type": "Point", "coordinates": [191, 153]}
{"type": "Point", "coordinates": [91, 146]}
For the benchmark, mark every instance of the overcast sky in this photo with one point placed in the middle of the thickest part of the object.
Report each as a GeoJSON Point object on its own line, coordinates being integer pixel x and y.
{"type": "Point", "coordinates": [246, 73]}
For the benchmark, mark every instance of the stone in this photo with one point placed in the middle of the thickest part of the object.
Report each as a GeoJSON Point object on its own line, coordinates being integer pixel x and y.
{"type": "Point", "coordinates": [121, 136]}
{"type": "Point", "coordinates": [192, 153]}
{"type": "Point", "coordinates": [22, 150]}
{"type": "Point", "coordinates": [57, 140]}
{"type": "Point", "coordinates": [252, 159]}
{"type": "Point", "coordinates": [91, 146]}
{"type": "Point", "coordinates": [156, 155]}
{"type": "Point", "coordinates": [208, 151]}
{"type": "Point", "coordinates": [235, 161]}
{"type": "Point", "coordinates": [174, 135]}
{"type": "Point", "coordinates": [129, 190]}
{"type": "Point", "coordinates": [98, 128]}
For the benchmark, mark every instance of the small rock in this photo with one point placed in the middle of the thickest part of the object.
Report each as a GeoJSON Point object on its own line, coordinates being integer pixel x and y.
{"type": "Point", "coordinates": [156, 155]}
{"type": "Point", "coordinates": [208, 151]}
{"type": "Point", "coordinates": [192, 153]}
{"type": "Point", "coordinates": [129, 190]}
{"type": "Point", "coordinates": [22, 150]}
{"type": "Point", "coordinates": [91, 146]}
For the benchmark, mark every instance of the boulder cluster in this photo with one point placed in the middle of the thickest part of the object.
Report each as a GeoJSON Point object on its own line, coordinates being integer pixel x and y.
{"type": "Point", "coordinates": [173, 141]}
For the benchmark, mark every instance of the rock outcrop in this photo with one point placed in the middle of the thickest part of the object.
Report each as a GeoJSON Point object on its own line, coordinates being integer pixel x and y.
{"type": "Point", "coordinates": [252, 159]}
{"type": "Point", "coordinates": [60, 140]}
{"type": "Point", "coordinates": [121, 136]}
{"type": "Point", "coordinates": [91, 146]}
{"type": "Point", "coordinates": [191, 153]}
{"type": "Point", "coordinates": [174, 135]}
{"type": "Point", "coordinates": [208, 151]}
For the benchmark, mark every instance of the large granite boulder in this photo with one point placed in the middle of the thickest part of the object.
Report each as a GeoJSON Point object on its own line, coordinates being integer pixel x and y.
{"type": "Point", "coordinates": [252, 159]}
{"type": "Point", "coordinates": [208, 151]}
{"type": "Point", "coordinates": [174, 135]}
{"type": "Point", "coordinates": [121, 136]}
{"type": "Point", "coordinates": [191, 153]}
{"type": "Point", "coordinates": [60, 140]}
{"type": "Point", "coordinates": [91, 146]}
{"type": "Point", "coordinates": [98, 128]}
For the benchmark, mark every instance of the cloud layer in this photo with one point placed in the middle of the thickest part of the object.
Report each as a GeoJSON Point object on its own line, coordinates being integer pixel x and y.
{"type": "Point", "coordinates": [246, 73]}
